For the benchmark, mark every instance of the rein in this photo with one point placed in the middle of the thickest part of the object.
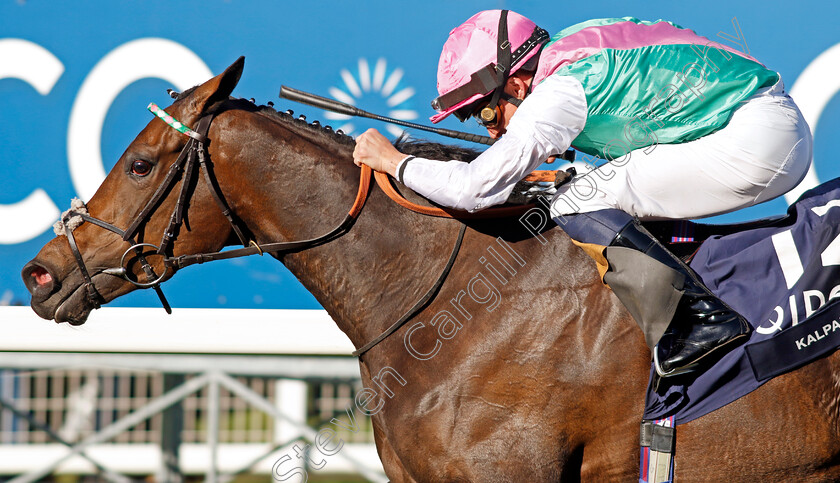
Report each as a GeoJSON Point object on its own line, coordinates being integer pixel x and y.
{"type": "Point", "coordinates": [192, 158]}
{"type": "Point", "coordinates": [385, 184]}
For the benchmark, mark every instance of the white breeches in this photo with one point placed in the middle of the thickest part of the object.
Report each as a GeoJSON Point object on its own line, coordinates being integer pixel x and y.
{"type": "Point", "coordinates": [763, 152]}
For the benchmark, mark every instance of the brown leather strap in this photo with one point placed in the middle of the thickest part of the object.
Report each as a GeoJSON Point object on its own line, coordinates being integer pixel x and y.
{"type": "Point", "coordinates": [421, 304]}
{"type": "Point", "coordinates": [93, 296]}
{"type": "Point", "coordinates": [177, 216]}
{"type": "Point", "coordinates": [364, 189]}
{"type": "Point", "coordinates": [385, 185]}
{"type": "Point", "coordinates": [162, 190]}
{"type": "Point", "coordinates": [215, 190]}
{"type": "Point", "coordinates": [541, 176]}
{"type": "Point", "coordinates": [286, 247]}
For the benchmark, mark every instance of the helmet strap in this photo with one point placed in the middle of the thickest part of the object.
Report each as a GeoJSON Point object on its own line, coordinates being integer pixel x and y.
{"type": "Point", "coordinates": [513, 100]}
{"type": "Point", "coordinates": [503, 60]}
{"type": "Point", "coordinates": [537, 63]}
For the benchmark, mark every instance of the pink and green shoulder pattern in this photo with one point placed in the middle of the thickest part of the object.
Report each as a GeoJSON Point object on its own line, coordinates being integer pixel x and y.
{"type": "Point", "coordinates": [650, 82]}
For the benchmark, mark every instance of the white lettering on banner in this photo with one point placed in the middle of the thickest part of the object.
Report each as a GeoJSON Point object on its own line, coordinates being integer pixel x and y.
{"type": "Point", "coordinates": [788, 256]}
{"type": "Point", "coordinates": [31, 63]}
{"type": "Point", "coordinates": [135, 60]}
{"type": "Point", "coordinates": [808, 299]}
{"type": "Point", "coordinates": [810, 295]}
{"type": "Point", "coordinates": [822, 210]}
{"type": "Point", "coordinates": [790, 260]}
{"type": "Point", "coordinates": [813, 90]}
{"type": "Point", "coordinates": [774, 324]}
{"type": "Point", "coordinates": [35, 65]}
{"type": "Point", "coordinates": [817, 335]}
{"type": "Point", "coordinates": [831, 254]}
{"type": "Point", "coordinates": [165, 59]}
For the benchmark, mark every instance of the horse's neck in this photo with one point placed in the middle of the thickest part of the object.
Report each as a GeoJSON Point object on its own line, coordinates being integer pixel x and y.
{"type": "Point", "coordinates": [301, 188]}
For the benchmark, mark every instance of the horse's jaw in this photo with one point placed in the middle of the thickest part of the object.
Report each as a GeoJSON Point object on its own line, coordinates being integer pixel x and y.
{"type": "Point", "coordinates": [74, 309]}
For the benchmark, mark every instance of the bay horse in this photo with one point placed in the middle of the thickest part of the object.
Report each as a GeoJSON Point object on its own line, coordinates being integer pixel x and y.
{"type": "Point", "coordinates": [539, 374]}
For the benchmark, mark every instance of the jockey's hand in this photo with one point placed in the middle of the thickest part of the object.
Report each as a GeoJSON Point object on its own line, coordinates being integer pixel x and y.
{"type": "Point", "coordinates": [374, 150]}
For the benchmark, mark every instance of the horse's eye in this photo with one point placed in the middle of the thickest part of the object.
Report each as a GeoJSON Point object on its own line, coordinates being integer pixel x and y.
{"type": "Point", "coordinates": [140, 167]}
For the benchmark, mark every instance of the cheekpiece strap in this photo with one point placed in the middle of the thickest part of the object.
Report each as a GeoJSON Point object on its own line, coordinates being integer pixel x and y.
{"type": "Point", "coordinates": [174, 123]}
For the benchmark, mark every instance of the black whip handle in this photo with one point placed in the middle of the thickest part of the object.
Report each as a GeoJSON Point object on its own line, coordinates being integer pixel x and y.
{"type": "Point", "coordinates": [346, 109]}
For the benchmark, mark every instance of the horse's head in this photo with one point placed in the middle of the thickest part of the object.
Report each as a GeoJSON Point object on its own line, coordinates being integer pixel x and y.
{"type": "Point", "coordinates": [66, 283]}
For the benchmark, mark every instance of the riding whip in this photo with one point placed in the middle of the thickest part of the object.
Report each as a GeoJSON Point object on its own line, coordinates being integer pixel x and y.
{"type": "Point", "coordinates": [349, 110]}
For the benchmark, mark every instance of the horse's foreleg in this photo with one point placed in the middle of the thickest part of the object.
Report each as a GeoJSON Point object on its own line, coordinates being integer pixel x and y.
{"type": "Point", "coordinates": [394, 468]}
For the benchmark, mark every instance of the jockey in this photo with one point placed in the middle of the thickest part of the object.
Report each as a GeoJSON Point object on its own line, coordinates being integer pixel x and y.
{"type": "Point", "coordinates": [688, 128]}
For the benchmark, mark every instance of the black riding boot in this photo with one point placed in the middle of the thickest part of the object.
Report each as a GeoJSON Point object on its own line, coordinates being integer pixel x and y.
{"type": "Point", "coordinates": [701, 324]}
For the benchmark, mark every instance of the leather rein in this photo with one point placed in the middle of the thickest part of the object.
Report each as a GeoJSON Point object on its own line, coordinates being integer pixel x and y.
{"type": "Point", "coordinates": [194, 157]}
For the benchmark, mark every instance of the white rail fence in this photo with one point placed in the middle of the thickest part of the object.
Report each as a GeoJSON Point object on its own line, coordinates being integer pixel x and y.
{"type": "Point", "coordinates": [213, 392]}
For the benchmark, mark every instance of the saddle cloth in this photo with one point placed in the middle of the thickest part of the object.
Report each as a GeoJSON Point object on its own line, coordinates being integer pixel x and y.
{"type": "Point", "coordinates": [784, 278]}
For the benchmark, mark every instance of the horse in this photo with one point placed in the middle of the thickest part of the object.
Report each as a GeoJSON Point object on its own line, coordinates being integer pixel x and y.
{"type": "Point", "coordinates": [522, 367]}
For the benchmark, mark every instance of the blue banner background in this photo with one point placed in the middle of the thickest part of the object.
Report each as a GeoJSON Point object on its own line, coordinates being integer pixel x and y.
{"type": "Point", "coordinates": [306, 45]}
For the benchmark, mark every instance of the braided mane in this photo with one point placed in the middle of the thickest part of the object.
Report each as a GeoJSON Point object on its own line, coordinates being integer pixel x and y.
{"type": "Point", "coordinates": [417, 147]}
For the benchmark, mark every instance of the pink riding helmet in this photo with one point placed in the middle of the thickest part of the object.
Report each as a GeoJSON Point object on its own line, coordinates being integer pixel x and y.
{"type": "Point", "coordinates": [469, 54]}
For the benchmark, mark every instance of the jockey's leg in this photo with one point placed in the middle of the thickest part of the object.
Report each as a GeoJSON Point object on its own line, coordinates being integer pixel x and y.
{"type": "Point", "coordinates": [683, 322]}
{"type": "Point", "coordinates": [763, 152]}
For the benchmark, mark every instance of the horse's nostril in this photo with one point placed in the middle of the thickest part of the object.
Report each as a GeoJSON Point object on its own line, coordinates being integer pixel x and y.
{"type": "Point", "coordinates": [39, 281]}
{"type": "Point", "coordinates": [41, 276]}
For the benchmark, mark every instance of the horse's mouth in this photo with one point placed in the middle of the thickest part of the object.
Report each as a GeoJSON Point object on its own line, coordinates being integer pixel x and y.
{"type": "Point", "coordinates": [75, 308]}
{"type": "Point", "coordinates": [75, 305]}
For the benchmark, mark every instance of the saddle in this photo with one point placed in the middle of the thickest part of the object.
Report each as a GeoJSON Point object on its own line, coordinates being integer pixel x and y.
{"type": "Point", "coordinates": [684, 237]}
{"type": "Point", "coordinates": [781, 274]}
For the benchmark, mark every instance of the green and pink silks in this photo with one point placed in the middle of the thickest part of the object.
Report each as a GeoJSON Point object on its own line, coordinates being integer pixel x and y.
{"type": "Point", "coordinates": [650, 82]}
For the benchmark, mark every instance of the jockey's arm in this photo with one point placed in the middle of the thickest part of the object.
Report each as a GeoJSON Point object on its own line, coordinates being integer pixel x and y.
{"type": "Point", "coordinates": [544, 124]}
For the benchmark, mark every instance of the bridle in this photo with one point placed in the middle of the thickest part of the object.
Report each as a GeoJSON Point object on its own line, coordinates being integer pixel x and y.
{"type": "Point", "coordinates": [192, 158]}
{"type": "Point", "coordinates": [185, 163]}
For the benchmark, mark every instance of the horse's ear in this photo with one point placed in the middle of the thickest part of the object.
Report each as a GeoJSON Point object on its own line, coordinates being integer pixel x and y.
{"type": "Point", "coordinates": [218, 88]}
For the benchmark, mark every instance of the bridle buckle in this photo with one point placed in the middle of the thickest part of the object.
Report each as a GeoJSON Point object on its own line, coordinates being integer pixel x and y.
{"type": "Point", "coordinates": [122, 271]}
